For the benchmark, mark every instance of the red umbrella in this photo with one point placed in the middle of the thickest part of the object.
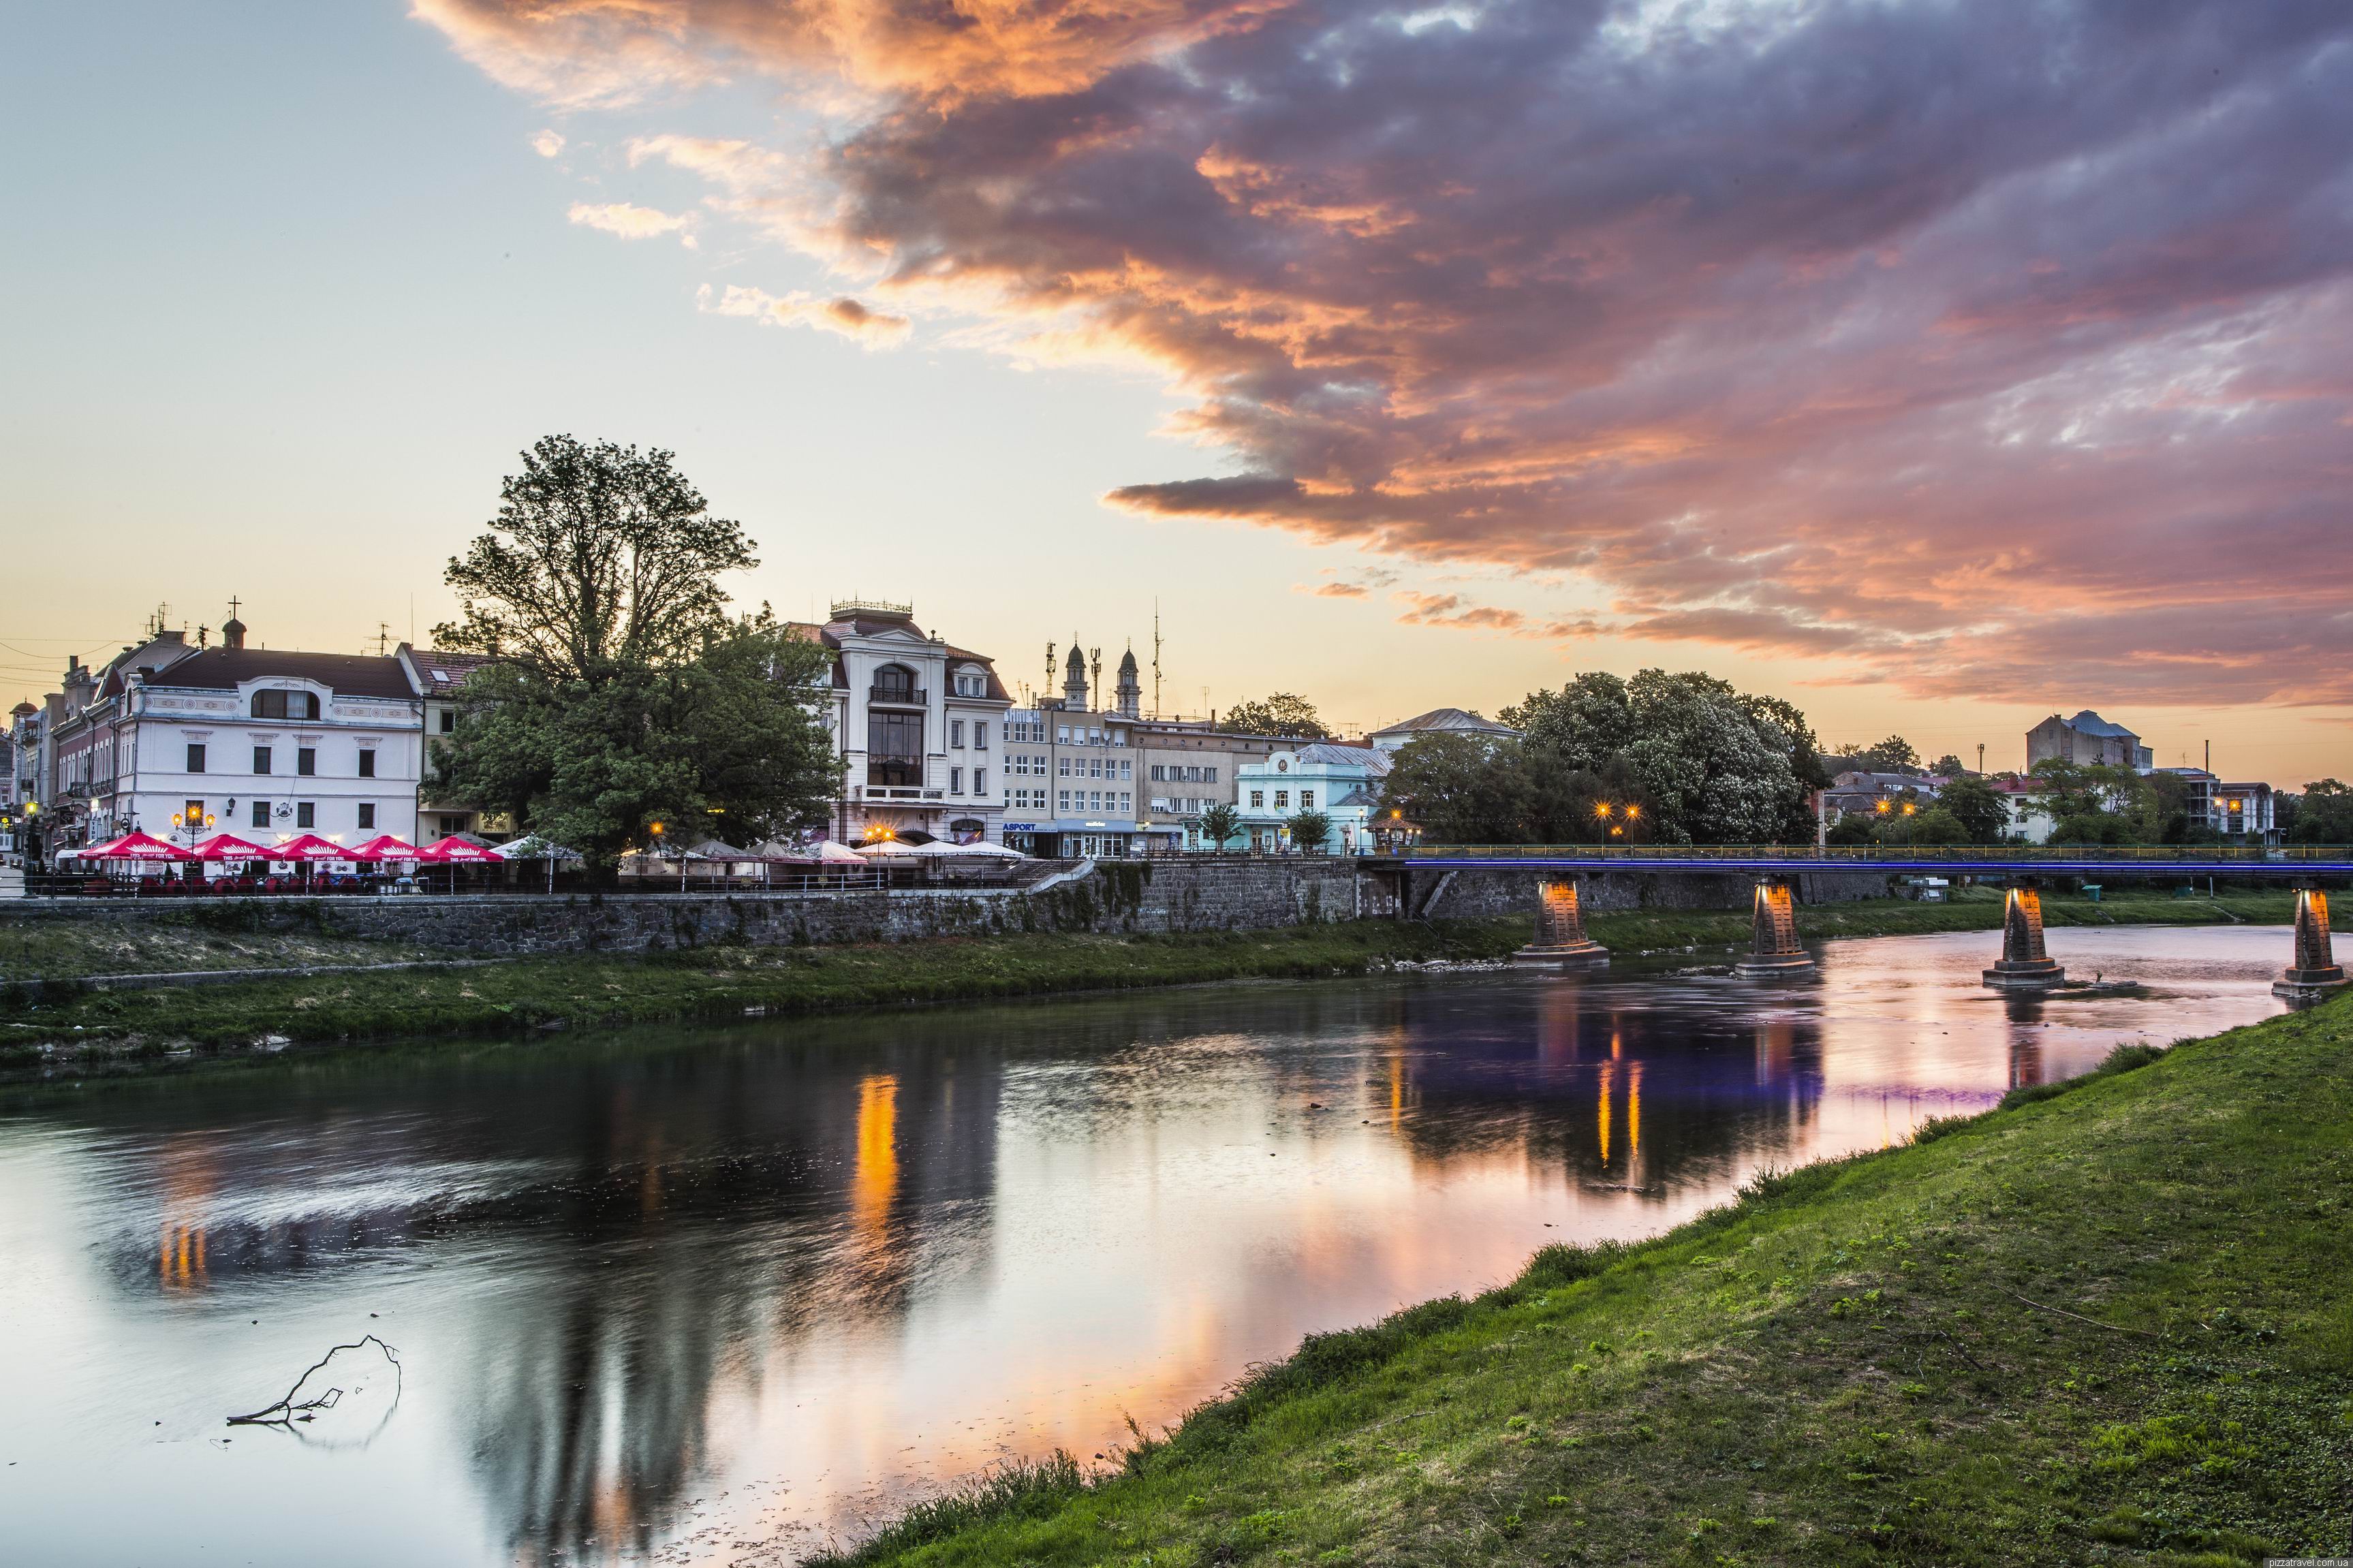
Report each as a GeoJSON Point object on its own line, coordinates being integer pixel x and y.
{"type": "Point", "coordinates": [456, 851]}
{"type": "Point", "coordinates": [309, 847]}
{"type": "Point", "coordinates": [386, 847]}
{"type": "Point", "coordinates": [135, 846]}
{"type": "Point", "coordinates": [229, 846]}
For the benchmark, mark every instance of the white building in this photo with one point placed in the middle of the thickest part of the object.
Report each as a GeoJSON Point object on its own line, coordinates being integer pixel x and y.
{"type": "Point", "coordinates": [1343, 782]}
{"type": "Point", "coordinates": [177, 740]}
{"type": "Point", "coordinates": [918, 728]}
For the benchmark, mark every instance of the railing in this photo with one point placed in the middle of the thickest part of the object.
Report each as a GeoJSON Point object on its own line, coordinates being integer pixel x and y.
{"type": "Point", "coordinates": [900, 697]}
{"type": "Point", "coordinates": [1866, 855]}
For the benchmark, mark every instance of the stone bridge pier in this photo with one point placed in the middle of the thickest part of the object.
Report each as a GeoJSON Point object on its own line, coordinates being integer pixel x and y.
{"type": "Point", "coordinates": [1773, 945]}
{"type": "Point", "coordinates": [2024, 965]}
{"type": "Point", "coordinates": [2314, 971]}
{"type": "Point", "coordinates": [1561, 942]}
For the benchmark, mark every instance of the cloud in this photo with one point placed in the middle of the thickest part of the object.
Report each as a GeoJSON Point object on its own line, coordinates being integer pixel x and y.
{"type": "Point", "coordinates": [631, 222]}
{"type": "Point", "coordinates": [1998, 348]}
{"type": "Point", "coordinates": [1333, 590]}
{"type": "Point", "coordinates": [841, 315]}
{"type": "Point", "coordinates": [547, 143]}
{"type": "Point", "coordinates": [1449, 610]}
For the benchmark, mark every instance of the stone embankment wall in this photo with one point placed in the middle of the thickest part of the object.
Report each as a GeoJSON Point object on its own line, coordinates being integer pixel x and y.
{"type": "Point", "coordinates": [1155, 897]}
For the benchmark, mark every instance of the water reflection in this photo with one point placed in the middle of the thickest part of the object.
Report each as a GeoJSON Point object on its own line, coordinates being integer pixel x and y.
{"type": "Point", "coordinates": [673, 1291]}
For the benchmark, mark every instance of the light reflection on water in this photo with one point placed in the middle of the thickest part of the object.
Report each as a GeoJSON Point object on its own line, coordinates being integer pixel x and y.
{"type": "Point", "coordinates": [713, 1296]}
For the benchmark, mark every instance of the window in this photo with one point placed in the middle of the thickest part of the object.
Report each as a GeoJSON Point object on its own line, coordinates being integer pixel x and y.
{"type": "Point", "coordinates": [286, 705]}
{"type": "Point", "coordinates": [1062, 734]}
{"type": "Point", "coordinates": [1062, 766]}
{"type": "Point", "coordinates": [306, 760]}
{"type": "Point", "coordinates": [956, 781]}
{"type": "Point", "coordinates": [980, 734]}
{"type": "Point", "coordinates": [367, 814]}
{"type": "Point", "coordinates": [450, 824]}
{"type": "Point", "coordinates": [196, 756]}
{"type": "Point", "coordinates": [1257, 798]}
{"type": "Point", "coordinates": [971, 683]}
{"type": "Point", "coordinates": [1156, 771]}
{"type": "Point", "coordinates": [260, 818]}
{"type": "Point", "coordinates": [894, 749]}
{"type": "Point", "coordinates": [956, 733]}
{"type": "Point", "coordinates": [367, 762]}
{"type": "Point", "coordinates": [1208, 776]}
{"type": "Point", "coordinates": [980, 780]}
{"type": "Point", "coordinates": [306, 814]}
{"type": "Point", "coordinates": [1281, 799]}
{"type": "Point", "coordinates": [1127, 800]}
{"type": "Point", "coordinates": [894, 683]}
{"type": "Point", "coordinates": [1307, 800]}
{"type": "Point", "coordinates": [1127, 769]}
{"type": "Point", "coordinates": [449, 721]}
{"type": "Point", "coordinates": [1094, 800]}
{"type": "Point", "coordinates": [261, 759]}
{"type": "Point", "coordinates": [1065, 805]}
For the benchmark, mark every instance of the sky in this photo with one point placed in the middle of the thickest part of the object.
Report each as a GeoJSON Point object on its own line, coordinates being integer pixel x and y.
{"type": "Point", "coordinates": [1937, 366]}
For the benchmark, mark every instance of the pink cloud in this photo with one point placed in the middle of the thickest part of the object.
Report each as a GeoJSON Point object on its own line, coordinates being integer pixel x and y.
{"type": "Point", "coordinates": [1994, 348]}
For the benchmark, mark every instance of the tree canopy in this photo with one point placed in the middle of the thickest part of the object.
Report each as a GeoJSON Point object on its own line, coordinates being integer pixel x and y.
{"type": "Point", "coordinates": [1695, 760]}
{"type": "Point", "coordinates": [603, 560]}
{"type": "Point", "coordinates": [619, 693]}
{"type": "Point", "coordinates": [2324, 814]}
{"type": "Point", "coordinates": [1285, 713]}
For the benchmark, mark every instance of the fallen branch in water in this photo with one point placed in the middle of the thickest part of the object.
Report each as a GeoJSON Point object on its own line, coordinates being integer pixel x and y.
{"type": "Point", "coordinates": [286, 1410]}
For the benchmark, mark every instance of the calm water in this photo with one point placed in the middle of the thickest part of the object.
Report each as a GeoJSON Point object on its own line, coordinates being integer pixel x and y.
{"type": "Point", "coordinates": [713, 1296]}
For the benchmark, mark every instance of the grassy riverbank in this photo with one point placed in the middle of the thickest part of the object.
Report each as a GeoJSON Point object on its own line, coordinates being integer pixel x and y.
{"type": "Point", "coordinates": [2107, 1323]}
{"type": "Point", "coordinates": [127, 1027]}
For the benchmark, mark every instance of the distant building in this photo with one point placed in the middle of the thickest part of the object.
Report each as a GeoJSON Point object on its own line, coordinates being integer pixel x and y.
{"type": "Point", "coordinates": [1439, 721]}
{"type": "Point", "coordinates": [1343, 782]}
{"type": "Point", "coordinates": [2030, 821]}
{"type": "Point", "coordinates": [2088, 739]}
{"type": "Point", "coordinates": [439, 675]}
{"type": "Point", "coordinates": [917, 725]}
{"type": "Point", "coordinates": [2243, 810]}
{"type": "Point", "coordinates": [1858, 793]}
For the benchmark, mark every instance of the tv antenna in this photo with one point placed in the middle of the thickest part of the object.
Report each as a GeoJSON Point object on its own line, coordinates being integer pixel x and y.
{"type": "Point", "coordinates": [1155, 658]}
{"type": "Point", "coordinates": [1050, 669]}
{"type": "Point", "coordinates": [1094, 693]}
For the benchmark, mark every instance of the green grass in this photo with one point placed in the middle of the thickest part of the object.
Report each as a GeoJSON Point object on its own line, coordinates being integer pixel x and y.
{"type": "Point", "coordinates": [714, 981]}
{"type": "Point", "coordinates": [2107, 1324]}
{"type": "Point", "coordinates": [69, 949]}
{"type": "Point", "coordinates": [127, 1028]}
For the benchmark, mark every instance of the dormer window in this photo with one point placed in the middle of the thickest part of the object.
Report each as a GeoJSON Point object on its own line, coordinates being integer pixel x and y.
{"type": "Point", "coordinates": [971, 683]}
{"type": "Point", "coordinates": [282, 704]}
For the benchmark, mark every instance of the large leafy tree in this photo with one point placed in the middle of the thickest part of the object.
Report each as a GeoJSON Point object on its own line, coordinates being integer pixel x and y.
{"type": "Point", "coordinates": [2324, 814]}
{"type": "Point", "coordinates": [603, 560]}
{"type": "Point", "coordinates": [620, 692]}
{"type": "Point", "coordinates": [1980, 810]}
{"type": "Point", "coordinates": [1286, 713]}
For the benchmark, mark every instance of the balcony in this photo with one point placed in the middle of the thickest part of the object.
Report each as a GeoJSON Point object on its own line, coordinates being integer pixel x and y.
{"type": "Point", "coordinates": [898, 697]}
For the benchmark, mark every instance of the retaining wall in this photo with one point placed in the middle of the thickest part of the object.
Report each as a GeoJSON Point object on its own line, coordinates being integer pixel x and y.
{"type": "Point", "coordinates": [1155, 895]}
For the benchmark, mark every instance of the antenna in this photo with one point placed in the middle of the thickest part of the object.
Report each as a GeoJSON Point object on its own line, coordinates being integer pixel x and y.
{"type": "Point", "coordinates": [1094, 692]}
{"type": "Point", "coordinates": [1155, 658]}
{"type": "Point", "coordinates": [1049, 668]}
{"type": "Point", "coordinates": [383, 636]}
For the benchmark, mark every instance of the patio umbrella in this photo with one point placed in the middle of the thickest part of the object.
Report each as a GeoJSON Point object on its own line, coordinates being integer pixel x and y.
{"type": "Point", "coordinates": [386, 847]}
{"type": "Point", "coordinates": [981, 848]}
{"type": "Point", "coordinates": [784, 854]}
{"type": "Point", "coordinates": [306, 849]}
{"type": "Point", "coordinates": [535, 848]}
{"type": "Point", "coordinates": [135, 846]}
{"type": "Point", "coordinates": [229, 846]}
{"type": "Point", "coordinates": [456, 851]}
{"type": "Point", "coordinates": [835, 852]}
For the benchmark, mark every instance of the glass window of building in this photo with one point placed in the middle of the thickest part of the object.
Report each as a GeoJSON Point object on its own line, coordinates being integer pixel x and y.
{"type": "Point", "coordinates": [196, 757]}
{"type": "Point", "coordinates": [894, 750]}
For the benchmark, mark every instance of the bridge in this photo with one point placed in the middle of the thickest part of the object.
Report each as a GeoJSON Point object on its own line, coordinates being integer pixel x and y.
{"type": "Point", "coordinates": [2025, 965]}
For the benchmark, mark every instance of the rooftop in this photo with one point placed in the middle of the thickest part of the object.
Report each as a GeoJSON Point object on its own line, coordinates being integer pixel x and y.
{"type": "Point", "coordinates": [1446, 720]}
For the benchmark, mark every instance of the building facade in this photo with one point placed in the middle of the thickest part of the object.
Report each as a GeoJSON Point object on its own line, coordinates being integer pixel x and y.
{"type": "Point", "coordinates": [1343, 782]}
{"type": "Point", "coordinates": [2088, 739]}
{"type": "Point", "coordinates": [176, 741]}
{"type": "Point", "coordinates": [438, 677]}
{"type": "Point", "coordinates": [2244, 812]}
{"type": "Point", "coordinates": [918, 729]}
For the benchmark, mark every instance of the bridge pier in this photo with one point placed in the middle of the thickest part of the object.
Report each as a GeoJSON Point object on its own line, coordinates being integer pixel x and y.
{"type": "Point", "coordinates": [2316, 972]}
{"type": "Point", "coordinates": [2024, 965]}
{"type": "Point", "coordinates": [1561, 942]}
{"type": "Point", "coordinates": [1773, 946]}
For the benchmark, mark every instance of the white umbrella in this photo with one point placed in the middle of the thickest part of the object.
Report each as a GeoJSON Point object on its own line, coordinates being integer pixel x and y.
{"type": "Point", "coordinates": [534, 847]}
{"type": "Point", "coordinates": [841, 854]}
{"type": "Point", "coordinates": [896, 847]}
{"type": "Point", "coordinates": [984, 850]}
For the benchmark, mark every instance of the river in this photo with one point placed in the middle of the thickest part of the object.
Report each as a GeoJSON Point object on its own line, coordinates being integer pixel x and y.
{"type": "Point", "coordinates": [716, 1295]}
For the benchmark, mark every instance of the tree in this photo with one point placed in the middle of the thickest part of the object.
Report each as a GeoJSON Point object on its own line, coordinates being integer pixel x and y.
{"type": "Point", "coordinates": [2324, 814]}
{"type": "Point", "coordinates": [1980, 809]}
{"type": "Point", "coordinates": [1895, 754]}
{"type": "Point", "coordinates": [2091, 803]}
{"type": "Point", "coordinates": [1219, 824]}
{"type": "Point", "coordinates": [1285, 714]}
{"type": "Point", "coordinates": [618, 694]}
{"type": "Point", "coordinates": [1309, 829]}
{"type": "Point", "coordinates": [602, 560]}
{"type": "Point", "coordinates": [1948, 766]}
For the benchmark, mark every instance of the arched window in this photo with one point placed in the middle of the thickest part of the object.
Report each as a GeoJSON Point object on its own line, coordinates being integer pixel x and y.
{"type": "Point", "coordinates": [971, 682]}
{"type": "Point", "coordinates": [894, 683]}
{"type": "Point", "coordinates": [279, 704]}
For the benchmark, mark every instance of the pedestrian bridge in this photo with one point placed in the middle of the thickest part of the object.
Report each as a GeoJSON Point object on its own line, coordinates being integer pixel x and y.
{"type": "Point", "coordinates": [2025, 965]}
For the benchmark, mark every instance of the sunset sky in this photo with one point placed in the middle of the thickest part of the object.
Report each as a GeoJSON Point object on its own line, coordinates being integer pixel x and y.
{"type": "Point", "coordinates": [1934, 365]}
